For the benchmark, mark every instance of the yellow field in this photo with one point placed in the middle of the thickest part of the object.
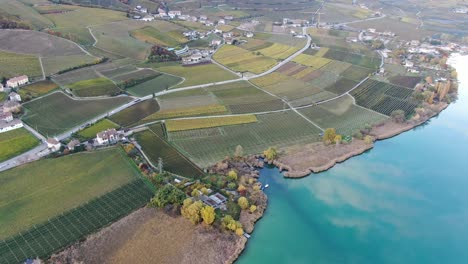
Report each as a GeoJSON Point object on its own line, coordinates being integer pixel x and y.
{"type": "Point", "coordinates": [321, 52]}
{"type": "Point", "coordinates": [225, 28]}
{"type": "Point", "coordinates": [304, 73]}
{"type": "Point", "coordinates": [270, 79]}
{"type": "Point", "coordinates": [188, 111]}
{"type": "Point", "coordinates": [239, 59]}
{"type": "Point", "coordinates": [187, 124]}
{"type": "Point", "coordinates": [278, 51]}
{"type": "Point", "coordinates": [311, 61]}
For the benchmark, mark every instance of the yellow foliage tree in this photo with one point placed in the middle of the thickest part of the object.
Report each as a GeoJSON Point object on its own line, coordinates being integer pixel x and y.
{"type": "Point", "coordinates": [253, 208]}
{"type": "Point", "coordinates": [191, 210]}
{"type": "Point", "coordinates": [271, 153]}
{"type": "Point", "coordinates": [204, 190]}
{"type": "Point", "coordinates": [368, 140]}
{"type": "Point", "coordinates": [243, 203]}
{"type": "Point", "coordinates": [208, 215]}
{"type": "Point", "coordinates": [329, 135]}
{"type": "Point", "coordinates": [239, 231]}
{"type": "Point", "coordinates": [338, 139]}
{"type": "Point", "coordinates": [232, 175]}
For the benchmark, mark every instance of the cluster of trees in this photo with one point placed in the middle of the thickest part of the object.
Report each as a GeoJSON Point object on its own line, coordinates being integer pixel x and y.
{"type": "Point", "coordinates": [160, 54]}
{"type": "Point", "coordinates": [98, 61]}
{"type": "Point", "coordinates": [132, 82]}
{"type": "Point", "coordinates": [398, 116]}
{"type": "Point", "coordinates": [168, 195]}
{"type": "Point", "coordinates": [196, 212]}
{"type": "Point", "coordinates": [229, 223]}
{"type": "Point", "coordinates": [271, 153]}
{"type": "Point", "coordinates": [331, 137]}
{"type": "Point", "coordinates": [10, 24]}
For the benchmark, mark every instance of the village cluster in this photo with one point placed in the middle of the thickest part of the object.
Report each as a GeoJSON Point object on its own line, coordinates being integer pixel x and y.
{"type": "Point", "coordinates": [12, 105]}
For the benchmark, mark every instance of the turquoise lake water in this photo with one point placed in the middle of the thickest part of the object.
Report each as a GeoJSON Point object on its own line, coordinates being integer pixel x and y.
{"type": "Point", "coordinates": [405, 201]}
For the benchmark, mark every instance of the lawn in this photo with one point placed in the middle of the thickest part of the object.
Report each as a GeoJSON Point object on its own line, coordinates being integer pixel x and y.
{"type": "Point", "coordinates": [158, 84]}
{"type": "Point", "coordinates": [15, 142]}
{"type": "Point", "coordinates": [94, 87]}
{"type": "Point", "coordinates": [32, 193]}
{"type": "Point", "coordinates": [57, 113]}
{"type": "Point", "coordinates": [173, 161]}
{"type": "Point", "coordinates": [91, 131]}
{"type": "Point", "coordinates": [135, 112]}
{"type": "Point", "coordinates": [37, 89]}
{"type": "Point", "coordinates": [14, 64]}
{"type": "Point", "coordinates": [197, 123]}
{"type": "Point", "coordinates": [199, 74]}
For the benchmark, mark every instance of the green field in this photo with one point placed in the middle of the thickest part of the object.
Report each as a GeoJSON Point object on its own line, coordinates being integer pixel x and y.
{"type": "Point", "coordinates": [135, 112]}
{"type": "Point", "coordinates": [94, 87]}
{"type": "Point", "coordinates": [57, 113]}
{"type": "Point", "coordinates": [158, 84]}
{"type": "Point", "coordinates": [91, 131]}
{"type": "Point", "coordinates": [196, 75]}
{"type": "Point", "coordinates": [15, 142]}
{"type": "Point", "coordinates": [154, 36]}
{"type": "Point", "coordinates": [32, 193]}
{"type": "Point", "coordinates": [58, 63]}
{"type": "Point", "coordinates": [37, 89]}
{"type": "Point", "coordinates": [173, 161]}
{"type": "Point", "coordinates": [278, 129]}
{"type": "Point", "coordinates": [25, 13]}
{"type": "Point", "coordinates": [14, 64]}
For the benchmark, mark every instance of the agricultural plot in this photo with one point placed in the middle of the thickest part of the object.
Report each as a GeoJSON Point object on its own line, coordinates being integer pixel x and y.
{"type": "Point", "coordinates": [312, 99]}
{"type": "Point", "coordinates": [15, 142]}
{"type": "Point", "coordinates": [114, 71]}
{"type": "Point", "coordinates": [341, 86]}
{"type": "Point", "coordinates": [61, 231]}
{"type": "Point", "coordinates": [311, 61]}
{"type": "Point", "coordinates": [239, 59]}
{"type": "Point", "coordinates": [155, 85]}
{"type": "Point", "coordinates": [405, 81]}
{"type": "Point", "coordinates": [49, 187]}
{"type": "Point", "coordinates": [215, 109]}
{"type": "Point", "coordinates": [75, 76]}
{"type": "Point", "coordinates": [353, 58]}
{"type": "Point", "coordinates": [135, 112]}
{"type": "Point", "coordinates": [94, 87]}
{"type": "Point", "coordinates": [278, 51]}
{"type": "Point", "coordinates": [283, 39]}
{"type": "Point", "coordinates": [198, 123]}
{"type": "Point", "coordinates": [56, 113]}
{"type": "Point", "coordinates": [13, 64]}
{"type": "Point", "coordinates": [73, 24]}
{"type": "Point", "coordinates": [37, 89]}
{"type": "Point", "coordinates": [356, 73]}
{"type": "Point", "coordinates": [336, 67]}
{"type": "Point", "coordinates": [384, 98]}
{"type": "Point", "coordinates": [342, 115]}
{"type": "Point", "coordinates": [155, 147]}
{"type": "Point", "coordinates": [91, 131]}
{"type": "Point", "coordinates": [198, 74]}
{"type": "Point", "coordinates": [37, 43]}
{"type": "Point", "coordinates": [152, 35]}
{"type": "Point", "coordinates": [58, 63]}
{"type": "Point", "coordinates": [25, 13]}
{"type": "Point", "coordinates": [254, 44]}
{"type": "Point", "coordinates": [135, 75]}
{"type": "Point", "coordinates": [278, 129]}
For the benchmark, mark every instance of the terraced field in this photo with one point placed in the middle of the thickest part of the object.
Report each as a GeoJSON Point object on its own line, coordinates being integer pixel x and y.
{"type": "Point", "coordinates": [279, 129]}
{"type": "Point", "coordinates": [57, 113]}
{"type": "Point", "coordinates": [342, 115]}
{"type": "Point", "coordinates": [384, 97]}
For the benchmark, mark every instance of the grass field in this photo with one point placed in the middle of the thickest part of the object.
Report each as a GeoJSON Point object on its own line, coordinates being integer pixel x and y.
{"type": "Point", "coordinates": [15, 142]}
{"type": "Point", "coordinates": [135, 112]}
{"type": "Point", "coordinates": [158, 84]}
{"type": "Point", "coordinates": [26, 13]}
{"type": "Point", "coordinates": [37, 89]}
{"type": "Point", "coordinates": [154, 36]}
{"type": "Point", "coordinates": [239, 59]}
{"type": "Point", "coordinates": [278, 51]}
{"type": "Point", "coordinates": [14, 64]}
{"type": "Point", "coordinates": [76, 76]}
{"type": "Point", "coordinates": [155, 148]}
{"type": "Point", "coordinates": [93, 87]}
{"type": "Point", "coordinates": [91, 131]}
{"type": "Point", "coordinates": [279, 129]}
{"type": "Point", "coordinates": [199, 74]}
{"type": "Point", "coordinates": [353, 58]}
{"type": "Point", "coordinates": [311, 61]}
{"type": "Point", "coordinates": [197, 123]}
{"type": "Point", "coordinates": [32, 193]}
{"type": "Point", "coordinates": [57, 63]}
{"type": "Point", "coordinates": [57, 113]}
{"type": "Point", "coordinates": [186, 111]}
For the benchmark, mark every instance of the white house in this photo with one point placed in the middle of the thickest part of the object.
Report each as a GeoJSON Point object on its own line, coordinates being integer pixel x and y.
{"type": "Point", "coordinates": [221, 22]}
{"type": "Point", "coordinates": [7, 126]}
{"type": "Point", "coordinates": [7, 117]}
{"type": "Point", "coordinates": [14, 97]}
{"type": "Point", "coordinates": [2, 88]}
{"type": "Point", "coordinates": [144, 10]}
{"type": "Point", "coordinates": [174, 13]}
{"type": "Point", "coordinates": [148, 18]}
{"type": "Point", "coordinates": [215, 42]}
{"type": "Point", "coordinates": [53, 144]}
{"type": "Point", "coordinates": [249, 34]}
{"type": "Point", "coordinates": [203, 17]}
{"type": "Point", "coordinates": [17, 81]}
{"type": "Point", "coordinates": [108, 136]}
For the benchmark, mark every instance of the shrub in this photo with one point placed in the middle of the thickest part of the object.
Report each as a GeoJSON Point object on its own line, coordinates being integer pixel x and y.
{"type": "Point", "coordinates": [243, 203]}
{"type": "Point", "coordinates": [168, 195]}
{"type": "Point", "coordinates": [398, 116]}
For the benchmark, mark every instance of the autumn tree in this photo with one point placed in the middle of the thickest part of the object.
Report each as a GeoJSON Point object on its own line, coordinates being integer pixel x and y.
{"type": "Point", "coordinates": [398, 116]}
{"type": "Point", "coordinates": [191, 210]}
{"type": "Point", "coordinates": [239, 231]}
{"type": "Point", "coordinates": [271, 153]}
{"type": "Point", "coordinates": [208, 215]}
{"type": "Point", "coordinates": [243, 203]}
{"type": "Point", "coordinates": [204, 190]}
{"type": "Point", "coordinates": [195, 193]}
{"type": "Point", "coordinates": [329, 135]}
{"type": "Point", "coordinates": [454, 74]}
{"type": "Point", "coordinates": [232, 175]}
{"type": "Point", "coordinates": [338, 139]}
{"type": "Point", "coordinates": [253, 208]}
{"type": "Point", "coordinates": [230, 224]}
{"type": "Point", "coordinates": [239, 151]}
{"type": "Point", "coordinates": [368, 140]}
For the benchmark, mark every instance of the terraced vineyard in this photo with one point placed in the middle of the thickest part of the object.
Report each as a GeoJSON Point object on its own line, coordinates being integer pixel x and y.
{"type": "Point", "coordinates": [198, 123]}
{"type": "Point", "coordinates": [63, 230]}
{"type": "Point", "coordinates": [384, 97]}
{"type": "Point", "coordinates": [278, 129]}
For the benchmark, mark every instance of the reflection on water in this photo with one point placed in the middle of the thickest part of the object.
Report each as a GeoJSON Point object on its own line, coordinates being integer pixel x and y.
{"type": "Point", "coordinates": [405, 201]}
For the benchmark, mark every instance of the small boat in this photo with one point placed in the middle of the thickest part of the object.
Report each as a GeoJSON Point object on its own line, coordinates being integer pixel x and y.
{"type": "Point", "coordinates": [267, 185]}
{"type": "Point", "coordinates": [246, 235]}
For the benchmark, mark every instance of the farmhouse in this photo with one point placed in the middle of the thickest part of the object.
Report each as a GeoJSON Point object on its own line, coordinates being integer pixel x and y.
{"type": "Point", "coordinates": [249, 35]}
{"type": "Point", "coordinates": [17, 81]}
{"type": "Point", "coordinates": [11, 106]}
{"type": "Point", "coordinates": [73, 143]}
{"type": "Point", "coordinates": [14, 97]}
{"type": "Point", "coordinates": [108, 136]}
{"type": "Point", "coordinates": [173, 14]}
{"type": "Point", "coordinates": [148, 18]}
{"type": "Point", "coordinates": [215, 42]}
{"type": "Point", "coordinates": [228, 17]}
{"type": "Point", "coordinates": [216, 201]}
{"type": "Point", "coordinates": [2, 88]}
{"type": "Point", "coordinates": [7, 126]}
{"type": "Point", "coordinates": [53, 144]}
{"type": "Point", "coordinates": [7, 117]}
